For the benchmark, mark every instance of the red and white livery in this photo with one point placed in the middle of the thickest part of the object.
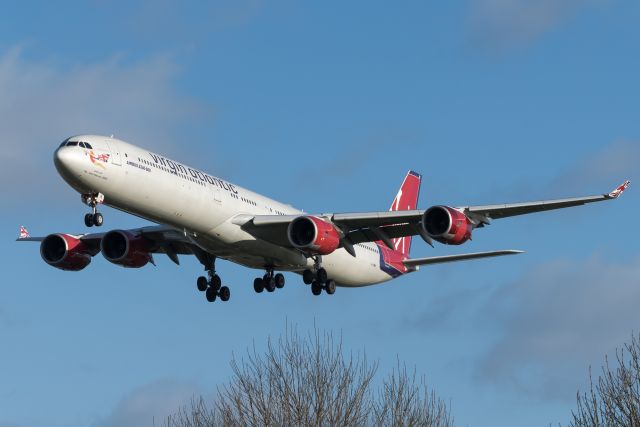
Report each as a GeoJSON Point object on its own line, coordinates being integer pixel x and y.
{"type": "Point", "coordinates": [23, 233]}
{"type": "Point", "coordinates": [202, 215]}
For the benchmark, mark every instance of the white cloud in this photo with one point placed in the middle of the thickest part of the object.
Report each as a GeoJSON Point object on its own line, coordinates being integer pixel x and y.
{"type": "Point", "coordinates": [558, 319]}
{"type": "Point", "coordinates": [42, 103]}
{"type": "Point", "coordinates": [150, 403]}
{"type": "Point", "coordinates": [505, 24]}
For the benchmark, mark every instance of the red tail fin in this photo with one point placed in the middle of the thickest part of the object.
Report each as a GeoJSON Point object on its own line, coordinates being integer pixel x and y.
{"type": "Point", "coordinates": [406, 200]}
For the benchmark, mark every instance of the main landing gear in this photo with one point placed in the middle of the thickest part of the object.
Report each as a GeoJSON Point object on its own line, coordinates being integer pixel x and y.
{"type": "Point", "coordinates": [269, 281]}
{"type": "Point", "coordinates": [93, 200]}
{"type": "Point", "coordinates": [319, 280]}
{"type": "Point", "coordinates": [212, 287]}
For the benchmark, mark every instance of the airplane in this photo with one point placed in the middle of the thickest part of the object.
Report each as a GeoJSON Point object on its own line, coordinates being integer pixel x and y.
{"type": "Point", "coordinates": [202, 215]}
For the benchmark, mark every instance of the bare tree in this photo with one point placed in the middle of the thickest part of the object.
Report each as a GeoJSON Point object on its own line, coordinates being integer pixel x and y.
{"type": "Point", "coordinates": [407, 401]}
{"type": "Point", "coordinates": [614, 399]}
{"type": "Point", "coordinates": [308, 380]}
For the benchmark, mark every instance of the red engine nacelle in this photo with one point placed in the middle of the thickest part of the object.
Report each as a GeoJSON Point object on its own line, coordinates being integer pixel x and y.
{"type": "Point", "coordinates": [313, 235]}
{"type": "Point", "coordinates": [65, 252]}
{"type": "Point", "coordinates": [126, 249]}
{"type": "Point", "coordinates": [447, 225]}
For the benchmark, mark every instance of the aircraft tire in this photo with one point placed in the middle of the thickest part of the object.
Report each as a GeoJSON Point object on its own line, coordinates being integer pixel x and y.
{"type": "Point", "coordinates": [216, 282]}
{"type": "Point", "coordinates": [258, 285]}
{"type": "Point", "coordinates": [279, 278]}
{"type": "Point", "coordinates": [330, 287]}
{"type": "Point", "coordinates": [269, 284]}
{"type": "Point", "coordinates": [225, 293]}
{"type": "Point", "coordinates": [211, 294]}
{"type": "Point", "coordinates": [316, 288]}
{"type": "Point", "coordinates": [321, 275]}
{"type": "Point", "coordinates": [88, 220]}
{"type": "Point", "coordinates": [98, 219]}
{"type": "Point", "coordinates": [307, 277]}
{"type": "Point", "coordinates": [202, 283]}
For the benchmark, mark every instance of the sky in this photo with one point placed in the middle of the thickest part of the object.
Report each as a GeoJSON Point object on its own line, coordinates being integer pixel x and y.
{"type": "Point", "coordinates": [326, 105]}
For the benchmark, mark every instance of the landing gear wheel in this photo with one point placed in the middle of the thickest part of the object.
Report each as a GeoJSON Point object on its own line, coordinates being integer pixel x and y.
{"type": "Point", "coordinates": [321, 275]}
{"type": "Point", "coordinates": [279, 278]}
{"type": "Point", "coordinates": [216, 282]}
{"type": "Point", "coordinates": [269, 283]}
{"type": "Point", "coordinates": [330, 287]}
{"type": "Point", "coordinates": [316, 288]}
{"type": "Point", "coordinates": [98, 219]}
{"type": "Point", "coordinates": [93, 200]}
{"type": "Point", "coordinates": [202, 283]}
{"type": "Point", "coordinates": [225, 293]}
{"type": "Point", "coordinates": [258, 285]}
{"type": "Point", "coordinates": [88, 220]}
{"type": "Point", "coordinates": [211, 294]}
{"type": "Point", "coordinates": [307, 277]}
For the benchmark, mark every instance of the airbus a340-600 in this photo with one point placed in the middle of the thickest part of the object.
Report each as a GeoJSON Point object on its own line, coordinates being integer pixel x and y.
{"type": "Point", "coordinates": [203, 215]}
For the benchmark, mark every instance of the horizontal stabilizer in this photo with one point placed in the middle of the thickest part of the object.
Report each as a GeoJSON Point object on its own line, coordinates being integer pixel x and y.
{"type": "Point", "coordinates": [453, 258]}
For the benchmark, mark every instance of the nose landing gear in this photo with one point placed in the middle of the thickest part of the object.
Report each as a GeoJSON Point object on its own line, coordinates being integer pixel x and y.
{"type": "Point", "coordinates": [93, 200]}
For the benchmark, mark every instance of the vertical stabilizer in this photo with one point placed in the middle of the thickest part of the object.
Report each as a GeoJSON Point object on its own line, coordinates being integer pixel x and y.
{"type": "Point", "coordinates": [406, 200]}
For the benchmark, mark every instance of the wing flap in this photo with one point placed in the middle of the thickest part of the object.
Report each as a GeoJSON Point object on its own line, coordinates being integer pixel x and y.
{"type": "Point", "coordinates": [377, 219]}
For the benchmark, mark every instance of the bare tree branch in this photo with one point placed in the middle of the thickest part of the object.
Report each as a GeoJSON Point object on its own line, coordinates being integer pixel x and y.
{"type": "Point", "coordinates": [614, 400]}
{"type": "Point", "coordinates": [310, 381]}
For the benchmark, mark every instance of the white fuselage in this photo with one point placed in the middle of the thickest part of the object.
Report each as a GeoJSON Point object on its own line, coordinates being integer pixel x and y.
{"type": "Point", "coordinates": [200, 205]}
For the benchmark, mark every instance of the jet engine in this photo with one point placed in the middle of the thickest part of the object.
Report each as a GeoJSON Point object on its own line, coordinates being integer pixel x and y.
{"type": "Point", "coordinates": [447, 225]}
{"type": "Point", "coordinates": [65, 252]}
{"type": "Point", "coordinates": [126, 249]}
{"type": "Point", "coordinates": [313, 235]}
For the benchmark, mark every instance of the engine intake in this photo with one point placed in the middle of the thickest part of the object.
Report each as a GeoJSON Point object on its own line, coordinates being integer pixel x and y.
{"type": "Point", "coordinates": [126, 249]}
{"type": "Point", "coordinates": [65, 252]}
{"type": "Point", "coordinates": [447, 225]}
{"type": "Point", "coordinates": [313, 235]}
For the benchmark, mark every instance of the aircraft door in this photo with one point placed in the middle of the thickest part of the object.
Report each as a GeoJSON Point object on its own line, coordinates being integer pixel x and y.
{"type": "Point", "coordinates": [216, 195]}
{"type": "Point", "coordinates": [115, 153]}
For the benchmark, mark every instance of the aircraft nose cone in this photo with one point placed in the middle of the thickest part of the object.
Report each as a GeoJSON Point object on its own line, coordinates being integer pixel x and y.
{"type": "Point", "coordinates": [66, 161]}
{"type": "Point", "coordinates": [62, 159]}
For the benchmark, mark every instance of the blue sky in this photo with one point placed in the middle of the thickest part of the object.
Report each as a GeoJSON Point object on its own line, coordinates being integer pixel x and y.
{"type": "Point", "coordinates": [326, 106]}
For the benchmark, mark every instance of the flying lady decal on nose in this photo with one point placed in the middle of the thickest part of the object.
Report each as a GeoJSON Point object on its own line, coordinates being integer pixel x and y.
{"type": "Point", "coordinates": [99, 159]}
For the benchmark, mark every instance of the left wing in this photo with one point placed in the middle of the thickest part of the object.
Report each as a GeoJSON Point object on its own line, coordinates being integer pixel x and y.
{"type": "Point", "coordinates": [513, 209]}
{"type": "Point", "coordinates": [383, 226]}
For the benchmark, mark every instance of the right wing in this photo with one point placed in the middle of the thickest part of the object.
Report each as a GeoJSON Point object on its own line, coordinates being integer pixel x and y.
{"type": "Point", "coordinates": [162, 239]}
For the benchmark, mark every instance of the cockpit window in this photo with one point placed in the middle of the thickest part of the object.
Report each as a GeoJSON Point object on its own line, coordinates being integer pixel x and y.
{"type": "Point", "coordinates": [82, 144]}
